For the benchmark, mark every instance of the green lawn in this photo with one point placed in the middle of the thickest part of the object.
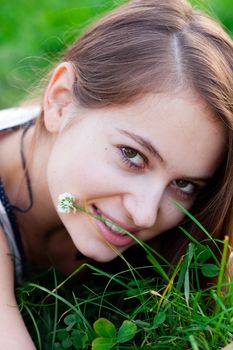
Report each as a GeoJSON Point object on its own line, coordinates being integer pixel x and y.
{"type": "Point", "coordinates": [34, 32]}
{"type": "Point", "coordinates": [134, 308]}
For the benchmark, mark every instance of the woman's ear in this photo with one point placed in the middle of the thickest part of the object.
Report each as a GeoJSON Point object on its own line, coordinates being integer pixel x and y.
{"type": "Point", "coordinates": [58, 96]}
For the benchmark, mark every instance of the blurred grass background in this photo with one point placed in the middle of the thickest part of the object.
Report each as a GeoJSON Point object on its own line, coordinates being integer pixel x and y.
{"type": "Point", "coordinates": [34, 32]}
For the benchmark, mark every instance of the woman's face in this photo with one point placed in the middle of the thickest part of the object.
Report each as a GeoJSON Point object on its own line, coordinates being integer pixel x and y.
{"type": "Point", "coordinates": [127, 164]}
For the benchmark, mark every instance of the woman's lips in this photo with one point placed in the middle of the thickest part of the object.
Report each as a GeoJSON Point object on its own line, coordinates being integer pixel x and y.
{"type": "Point", "coordinates": [112, 236]}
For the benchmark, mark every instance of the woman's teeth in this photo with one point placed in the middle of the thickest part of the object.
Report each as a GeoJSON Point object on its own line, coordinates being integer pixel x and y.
{"type": "Point", "coordinates": [113, 227]}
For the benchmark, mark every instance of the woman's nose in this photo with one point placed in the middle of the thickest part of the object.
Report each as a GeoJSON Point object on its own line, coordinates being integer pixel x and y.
{"type": "Point", "coordinates": [143, 207]}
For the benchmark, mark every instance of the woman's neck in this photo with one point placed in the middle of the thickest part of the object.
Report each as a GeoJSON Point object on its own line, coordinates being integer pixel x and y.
{"type": "Point", "coordinates": [42, 218]}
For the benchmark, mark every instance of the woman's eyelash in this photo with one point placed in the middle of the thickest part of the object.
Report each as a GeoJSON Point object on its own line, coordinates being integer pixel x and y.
{"type": "Point", "coordinates": [185, 195]}
{"type": "Point", "coordinates": [132, 153]}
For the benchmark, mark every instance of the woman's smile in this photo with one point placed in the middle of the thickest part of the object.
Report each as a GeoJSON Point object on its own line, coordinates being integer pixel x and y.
{"type": "Point", "coordinates": [112, 230]}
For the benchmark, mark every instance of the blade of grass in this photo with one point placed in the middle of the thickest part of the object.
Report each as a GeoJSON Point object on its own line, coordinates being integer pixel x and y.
{"type": "Point", "coordinates": [170, 283]}
{"type": "Point", "coordinates": [35, 326]}
{"type": "Point", "coordinates": [66, 302]}
{"type": "Point", "coordinates": [197, 223]}
{"type": "Point", "coordinates": [186, 279]}
{"type": "Point", "coordinates": [193, 342]}
{"type": "Point", "coordinates": [55, 312]}
{"type": "Point", "coordinates": [223, 265]}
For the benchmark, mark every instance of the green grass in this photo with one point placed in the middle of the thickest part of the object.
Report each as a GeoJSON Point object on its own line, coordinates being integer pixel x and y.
{"type": "Point", "coordinates": [137, 307]}
{"type": "Point", "coordinates": [33, 33]}
{"type": "Point", "coordinates": [156, 313]}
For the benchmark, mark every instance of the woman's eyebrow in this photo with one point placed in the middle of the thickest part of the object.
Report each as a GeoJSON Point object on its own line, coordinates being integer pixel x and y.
{"type": "Point", "coordinates": [143, 142]}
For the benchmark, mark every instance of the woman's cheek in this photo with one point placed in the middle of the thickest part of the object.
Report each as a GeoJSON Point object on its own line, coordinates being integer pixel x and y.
{"type": "Point", "coordinates": [171, 215]}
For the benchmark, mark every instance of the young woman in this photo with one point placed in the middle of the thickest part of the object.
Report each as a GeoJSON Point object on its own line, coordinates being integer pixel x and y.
{"type": "Point", "coordinates": [137, 113]}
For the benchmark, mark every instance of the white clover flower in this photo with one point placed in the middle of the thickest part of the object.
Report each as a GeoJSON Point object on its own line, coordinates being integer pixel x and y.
{"type": "Point", "coordinates": [66, 203]}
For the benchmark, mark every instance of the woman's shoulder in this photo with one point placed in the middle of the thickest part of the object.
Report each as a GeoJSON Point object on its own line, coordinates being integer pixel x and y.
{"type": "Point", "coordinates": [8, 226]}
{"type": "Point", "coordinates": [16, 116]}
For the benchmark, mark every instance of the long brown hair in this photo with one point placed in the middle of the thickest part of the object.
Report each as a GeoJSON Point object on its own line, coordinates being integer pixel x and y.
{"type": "Point", "coordinates": [156, 46]}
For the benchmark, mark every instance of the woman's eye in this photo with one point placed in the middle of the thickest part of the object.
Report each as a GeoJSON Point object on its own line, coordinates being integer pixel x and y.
{"type": "Point", "coordinates": [132, 157]}
{"type": "Point", "coordinates": [184, 186]}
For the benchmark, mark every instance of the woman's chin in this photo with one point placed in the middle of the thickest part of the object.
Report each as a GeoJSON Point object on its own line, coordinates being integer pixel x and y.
{"type": "Point", "coordinates": [102, 257]}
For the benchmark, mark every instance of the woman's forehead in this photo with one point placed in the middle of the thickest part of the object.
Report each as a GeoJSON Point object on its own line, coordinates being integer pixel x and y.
{"type": "Point", "coordinates": [179, 128]}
